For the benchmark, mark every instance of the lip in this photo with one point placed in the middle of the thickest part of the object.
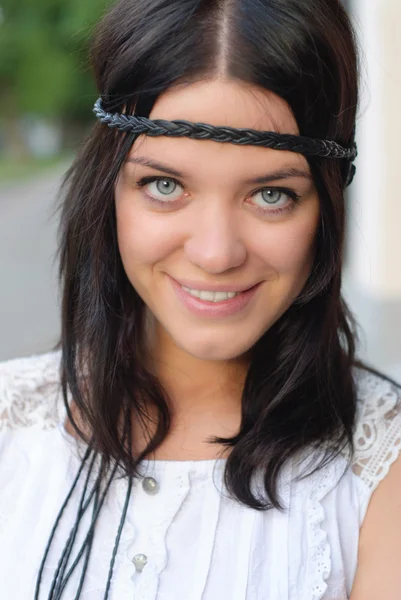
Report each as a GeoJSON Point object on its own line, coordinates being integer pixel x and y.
{"type": "Point", "coordinates": [214, 310]}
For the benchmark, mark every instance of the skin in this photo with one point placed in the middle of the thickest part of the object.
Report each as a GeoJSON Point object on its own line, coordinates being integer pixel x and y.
{"type": "Point", "coordinates": [216, 231]}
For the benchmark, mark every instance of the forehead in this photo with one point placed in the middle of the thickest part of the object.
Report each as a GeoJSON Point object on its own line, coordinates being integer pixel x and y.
{"type": "Point", "coordinates": [212, 162]}
{"type": "Point", "coordinates": [226, 103]}
{"type": "Point", "coordinates": [221, 103]}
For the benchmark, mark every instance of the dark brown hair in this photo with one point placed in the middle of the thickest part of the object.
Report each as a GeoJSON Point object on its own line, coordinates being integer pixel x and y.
{"type": "Point", "coordinates": [299, 393]}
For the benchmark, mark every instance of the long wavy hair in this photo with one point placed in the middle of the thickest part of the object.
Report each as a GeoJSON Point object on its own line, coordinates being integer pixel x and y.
{"type": "Point", "coordinates": [299, 394]}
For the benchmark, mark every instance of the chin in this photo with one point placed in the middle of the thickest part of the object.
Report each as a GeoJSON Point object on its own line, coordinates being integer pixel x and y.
{"type": "Point", "coordinates": [216, 348]}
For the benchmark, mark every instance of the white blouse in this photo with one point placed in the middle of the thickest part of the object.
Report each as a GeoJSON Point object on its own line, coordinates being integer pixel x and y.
{"type": "Point", "coordinates": [197, 542]}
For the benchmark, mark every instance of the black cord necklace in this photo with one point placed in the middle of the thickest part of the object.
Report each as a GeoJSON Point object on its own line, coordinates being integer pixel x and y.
{"type": "Point", "coordinates": [95, 497]}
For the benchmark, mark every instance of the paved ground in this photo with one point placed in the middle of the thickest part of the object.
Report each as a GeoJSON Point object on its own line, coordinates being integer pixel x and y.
{"type": "Point", "coordinates": [28, 292]}
{"type": "Point", "coordinates": [29, 319]}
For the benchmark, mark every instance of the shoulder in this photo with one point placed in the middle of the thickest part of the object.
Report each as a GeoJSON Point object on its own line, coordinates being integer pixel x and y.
{"type": "Point", "coordinates": [377, 463]}
{"type": "Point", "coordinates": [377, 435]}
{"type": "Point", "coordinates": [29, 391]}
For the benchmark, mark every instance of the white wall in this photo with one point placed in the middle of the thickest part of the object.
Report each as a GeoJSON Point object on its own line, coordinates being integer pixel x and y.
{"type": "Point", "coordinates": [375, 241]}
{"type": "Point", "coordinates": [373, 274]}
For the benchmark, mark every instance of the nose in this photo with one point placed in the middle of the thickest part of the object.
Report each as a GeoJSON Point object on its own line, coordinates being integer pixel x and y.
{"type": "Point", "coordinates": [215, 244]}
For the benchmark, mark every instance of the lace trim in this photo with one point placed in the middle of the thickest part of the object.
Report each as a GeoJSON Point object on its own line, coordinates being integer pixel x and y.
{"type": "Point", "coordinates": [320, 553]}
{"type": "Point", "coordinates": [30, 392]}
{"type": "Point", "coordinates": [318, 562]}
{"type": "Point", "coordinates": [377, 436]}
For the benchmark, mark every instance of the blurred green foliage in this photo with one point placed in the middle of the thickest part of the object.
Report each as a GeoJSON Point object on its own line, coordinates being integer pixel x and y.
{"type": "Point", "coordinates": [44, 67]}
{"type": "Point", "coordinates": [12, 170]}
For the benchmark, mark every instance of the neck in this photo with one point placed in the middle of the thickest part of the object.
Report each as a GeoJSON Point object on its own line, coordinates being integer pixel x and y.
{"type": "Point", "coordinates": [196, 385]}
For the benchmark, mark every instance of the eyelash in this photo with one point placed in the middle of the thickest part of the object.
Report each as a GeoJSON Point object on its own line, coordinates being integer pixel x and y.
{"type": "Point", "coordinates": [288, 192]}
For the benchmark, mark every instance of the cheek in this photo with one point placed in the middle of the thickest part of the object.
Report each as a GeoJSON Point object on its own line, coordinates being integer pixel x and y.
{"type": "Point", "coordinates": [297, 250]}
{"type": "Point", "coordinates": [144, 238]}
{"type": "Point", "coordinates": [289, 247]}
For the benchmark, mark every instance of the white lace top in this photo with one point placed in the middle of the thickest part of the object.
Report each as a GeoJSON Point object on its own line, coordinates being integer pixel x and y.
{"type": "Point", "coordinates": [197, 542]}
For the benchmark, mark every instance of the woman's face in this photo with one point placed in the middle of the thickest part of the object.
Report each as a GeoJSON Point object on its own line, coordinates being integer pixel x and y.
{"type": "Point", "coordinates": [217, 239]}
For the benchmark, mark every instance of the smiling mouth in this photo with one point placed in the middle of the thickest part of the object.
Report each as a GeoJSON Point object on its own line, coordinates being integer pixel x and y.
{"type": "Point", "coordinates": [212, 303]}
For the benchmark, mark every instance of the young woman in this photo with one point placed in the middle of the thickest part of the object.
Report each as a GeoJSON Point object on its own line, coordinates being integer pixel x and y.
{"type": "Point", "coordinates": [205, 430]}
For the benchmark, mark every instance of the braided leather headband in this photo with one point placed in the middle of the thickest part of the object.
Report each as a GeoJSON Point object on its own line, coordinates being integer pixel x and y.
{"type": "Point", "coordinates": [251, 137]}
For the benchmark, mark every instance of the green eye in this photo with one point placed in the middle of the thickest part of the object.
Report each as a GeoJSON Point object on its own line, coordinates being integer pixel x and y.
{"type": "Point", "coordinates": [274, 200]}
{"type": "Point", "coordinates": [272, 196]}
{"type": "Point", "coordinates": [161, 189]}
{"type": "Point", "coordinates": [166, 186]}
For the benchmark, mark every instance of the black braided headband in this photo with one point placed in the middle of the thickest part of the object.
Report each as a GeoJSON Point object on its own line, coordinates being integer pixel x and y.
{"type": "Point", "coordinates": [251, 137]}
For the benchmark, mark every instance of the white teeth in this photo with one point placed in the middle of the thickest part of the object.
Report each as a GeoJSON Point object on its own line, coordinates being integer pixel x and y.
{"type": "Point", "coordinates": [220, 296]}
{"type": "Point", "coordinates": [210, 296]}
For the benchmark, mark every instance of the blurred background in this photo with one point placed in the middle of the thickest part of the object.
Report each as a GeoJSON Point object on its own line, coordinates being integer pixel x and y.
{"type": "Point", "coordinates": [46, 96]}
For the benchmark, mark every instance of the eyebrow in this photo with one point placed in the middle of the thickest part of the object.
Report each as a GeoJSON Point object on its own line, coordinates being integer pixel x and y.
{"type": "Point", "coordinates": [286, 173]}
